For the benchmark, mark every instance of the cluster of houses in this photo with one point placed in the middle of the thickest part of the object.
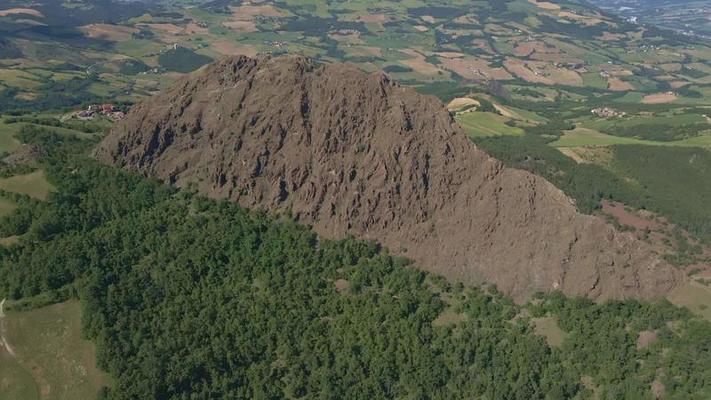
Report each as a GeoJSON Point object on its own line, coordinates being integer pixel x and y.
{"type": "Point", "coordinates": [607, 112]}
{"type": "Point", "coordinates": [107, 110]}
{"type": "Point", "coordinates": [276, 43]}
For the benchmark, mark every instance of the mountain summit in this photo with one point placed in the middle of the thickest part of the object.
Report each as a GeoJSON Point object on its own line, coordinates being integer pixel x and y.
{"type": "Point", "coordinates": [355, 153]}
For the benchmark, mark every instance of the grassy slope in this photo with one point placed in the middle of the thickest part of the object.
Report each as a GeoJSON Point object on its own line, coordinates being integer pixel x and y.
{"type": "Point", "coordinates": [52, 360]}
{"type": "Point", "coordinates": [584, 137]}
{"type": "Point", "coordinates": [34, 184]}
{"type": "Point", "coordinates": [8, 143]}
{"type": "Point", "coordinates": [481, 124]}
{"type": "Point", "coordinates": [695, 296]}
{"type": "Point", "coordinates": [548, 328]}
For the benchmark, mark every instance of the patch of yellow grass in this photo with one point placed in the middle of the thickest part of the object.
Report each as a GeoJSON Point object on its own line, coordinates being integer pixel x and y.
{"type": "Point", "coordinates": [114, 33]}
{"type": "Point", "coordinates": [27, 11]}
{"type": "Point", "coordinates": [585, 20]}
{"type": "Point", "coordinates": [659, 98]}
{"type": "Point", "coordinates": [19, 78]}
{"type": "Point", "coordinates": [460, 103]}
{"type": "Point", "coordinates": [618, 85]}
{"type": "Point", "coordinates": [232, 48]}
{"type": "Point", "coordinates": [548, 328]}
{"type": "Point", "coordinates": [47, 343]}
{"type": "Point", "coordinates": [9, 241]}
{"type": "Point", "coordinates": [419, 64]}
{"type": "Point", "coordinates": [449, 317]}
{"type": "Point", "coordinates": [34, 184]}
{"type": "Point", "coordinates": [545, 5]}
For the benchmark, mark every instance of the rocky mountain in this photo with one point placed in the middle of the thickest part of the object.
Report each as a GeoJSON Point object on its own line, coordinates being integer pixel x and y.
{"type": "Point", "coordinates": [355, 153]}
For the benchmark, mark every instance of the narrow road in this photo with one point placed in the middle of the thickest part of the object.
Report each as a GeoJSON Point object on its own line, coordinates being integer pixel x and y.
{"type": "Point", "coordinates": [3, 340]}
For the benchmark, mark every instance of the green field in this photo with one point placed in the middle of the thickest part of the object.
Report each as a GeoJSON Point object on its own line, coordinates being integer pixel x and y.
{"type": "Point", "coordinates": [8, 143]}
{"type": "Point", "coordinates": [34, 184]}
{"type": "Point", "coordinates": [483, 124]}
{"type": "Point", "coordinates": [50, 360]}
{"type": "Point", "coordinates": [584, 137]}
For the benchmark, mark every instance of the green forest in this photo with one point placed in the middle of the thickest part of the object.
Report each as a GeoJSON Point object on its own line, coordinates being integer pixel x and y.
{"type": "Point", "coordinates": [192, 298]}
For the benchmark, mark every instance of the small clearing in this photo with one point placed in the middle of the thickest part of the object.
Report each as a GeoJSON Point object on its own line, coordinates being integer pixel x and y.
{"type": "Point", "coordinates": [646, 338]}
{"type": "Point", "coordinates": [627, 218]}
{"type": "Point", "coordinates": [461, 103]}
{"type": "Point", "coordinates": [449, 317]}
{"type": "Point", "coordinates": [34, 184]}
{"type": "Point", "coordinates": [341, 285]}
{"type": "Point", "coordinates": [50, 355]}
{"type": "Point", "coordinates": [548, 328]}
{"type": "Point", "coordinates": [693, 295]}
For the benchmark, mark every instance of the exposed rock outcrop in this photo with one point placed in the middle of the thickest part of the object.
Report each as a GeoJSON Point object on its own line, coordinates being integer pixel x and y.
{"type": "Point", "coordinates": [349, 152]}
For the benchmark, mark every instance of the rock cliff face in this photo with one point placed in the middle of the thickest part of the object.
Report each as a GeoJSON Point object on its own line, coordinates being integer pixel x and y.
{"type": "Point", "coordinates": [355, 153]}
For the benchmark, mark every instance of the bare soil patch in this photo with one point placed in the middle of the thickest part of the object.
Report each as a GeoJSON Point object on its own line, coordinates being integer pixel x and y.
{"type": "Point", "coordinates": [646, 338]}
{"type": "Point", "coordinates": [373, 18]}
{"type": "Point", "coordinates": [341, 285]}
{"type": "Point", "coordinates": [195, 29]}
{"type": "Point", "coordinates": [671, 67]}
{"type": "Point", "coordinates": [659, 98]}
{"type": "Point", "coordinates": [460, 103]}
{"type": "Point", "coordinates": [523, 50]}
{"type": "Point", "coordinates": [627, 218]}
{"type": "Point", "coordinates": [618, 85]}
{"type": "Point", "coordinates": [526, 72]}
{"type": "Point", "coordinates": [419, 64]}
{"type": "Point", "coordinates": [230, 48]}
{"type": "Point", "coordinates": [114, 33]}
{"type": "Point", "coordinates": [241, 26]}
{"type": "Point", "coordinates": [658, 388]}
{"type": "Point", "coordinates": [472, 68]}
{"type": "Point", "coordinates": [545, 5]}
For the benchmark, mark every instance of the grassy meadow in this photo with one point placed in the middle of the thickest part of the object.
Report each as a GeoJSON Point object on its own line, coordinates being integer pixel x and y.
{"type": "Point", "coordinates": [50, 359]}
{"type": "Point", "coordinates": [483, 124]}
{"type": "Point", "coordinates": [34, 184]}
